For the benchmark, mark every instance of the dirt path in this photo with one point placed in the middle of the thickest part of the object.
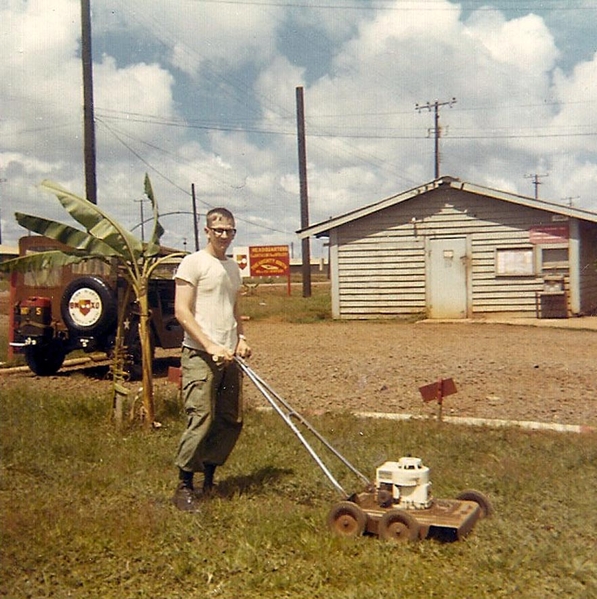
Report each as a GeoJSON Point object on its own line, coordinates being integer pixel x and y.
{"type": "Point", "coordinates": [501, 371]}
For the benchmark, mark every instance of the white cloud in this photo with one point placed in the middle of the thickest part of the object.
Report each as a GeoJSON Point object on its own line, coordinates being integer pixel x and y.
{"type": "Point", "coordinates": [499, 70]}
{"type": "Point", "coordinates": [517, 110]}
{"type": "Point", "coordinates": [524, 43]}
{"type": "Point", "coordinates": [140, 88]}
{"type": "Point", "coordinates": [41, 128]}
{"type": "Point", "coordinates": [37, 63]}
{"type": "Point", "coordinates": [577, 116]}
{"type": "Point", "coordinates": [193, 33]}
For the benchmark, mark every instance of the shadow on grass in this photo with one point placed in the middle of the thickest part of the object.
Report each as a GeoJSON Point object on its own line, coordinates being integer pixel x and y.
{"type": "Point", "coordinates": [253, 483]}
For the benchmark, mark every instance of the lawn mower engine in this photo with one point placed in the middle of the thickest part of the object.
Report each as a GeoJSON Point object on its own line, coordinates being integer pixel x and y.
{"type": "Point", "coordinates": [404, 484]}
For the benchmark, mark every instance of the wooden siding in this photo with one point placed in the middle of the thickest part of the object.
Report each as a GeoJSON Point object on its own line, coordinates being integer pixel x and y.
{"type": "Point", "coordinates": [381, 258]}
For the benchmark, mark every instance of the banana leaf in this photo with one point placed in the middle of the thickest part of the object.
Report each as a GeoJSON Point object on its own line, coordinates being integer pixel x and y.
{"type": "Point", "coordinates": [153, 247]}
{"type": "Point", "coordinates": [97, 223]}
{"type": "Point", "coordinates": [74, 238]}
{"type": "Point", "coordinates": [44, 261]}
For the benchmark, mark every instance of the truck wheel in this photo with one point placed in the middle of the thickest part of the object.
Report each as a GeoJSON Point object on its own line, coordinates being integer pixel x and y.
{"type": "Point", "coordinates": [347, 519]}
{"type": "Point", "coordinates": [45, 360]}
{"type": "Point", "coordinates": [480, 499]}
{"type": "Point", "coordinates": [88, 306]}
{"type": "Point", "coordinates": [398, 526]}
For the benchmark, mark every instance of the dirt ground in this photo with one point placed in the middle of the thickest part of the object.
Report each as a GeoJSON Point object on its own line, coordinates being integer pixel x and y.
{"type": "Point", "coordinates": [501, 371]}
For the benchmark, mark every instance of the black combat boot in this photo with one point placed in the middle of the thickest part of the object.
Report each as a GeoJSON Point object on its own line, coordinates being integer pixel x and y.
{"type": "Point", "coordinates": [208, 478]}
{"type": "Point", "coordinates": [184, 497]}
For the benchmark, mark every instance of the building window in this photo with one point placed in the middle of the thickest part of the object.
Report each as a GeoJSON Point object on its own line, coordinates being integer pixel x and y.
{"type": "Point", "coordinates": [514, 262]}
{"type": "Point", "coordinates": [554, 259]}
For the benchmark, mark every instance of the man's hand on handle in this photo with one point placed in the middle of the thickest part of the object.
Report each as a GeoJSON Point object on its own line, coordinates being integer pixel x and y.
{"type": "Point", "coordinates": [221, 355]}
{"type": "Point", "coordinates": [242, 348]}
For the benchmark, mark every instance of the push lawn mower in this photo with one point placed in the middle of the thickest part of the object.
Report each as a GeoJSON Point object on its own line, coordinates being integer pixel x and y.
{"type": "Point", "coordinates": [398, 505]}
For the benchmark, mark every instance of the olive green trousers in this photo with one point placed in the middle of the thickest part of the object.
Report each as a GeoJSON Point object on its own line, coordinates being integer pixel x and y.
{"type": "Point", "coordinates": [213, 404]}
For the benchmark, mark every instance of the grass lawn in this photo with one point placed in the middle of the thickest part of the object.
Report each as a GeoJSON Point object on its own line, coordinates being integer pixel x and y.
{"type": "Point", "coordinates": [85, 510]}
{"type": "Point", "coordinates": [272, 302]}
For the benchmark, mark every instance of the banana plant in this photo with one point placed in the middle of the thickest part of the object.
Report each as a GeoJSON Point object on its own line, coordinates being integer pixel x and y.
{"type": "Point", "coordinates": [104, 238]}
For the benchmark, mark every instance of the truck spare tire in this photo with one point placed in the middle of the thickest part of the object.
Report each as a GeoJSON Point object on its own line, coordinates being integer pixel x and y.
{"type": "Point", "coordinates": [88, 306]}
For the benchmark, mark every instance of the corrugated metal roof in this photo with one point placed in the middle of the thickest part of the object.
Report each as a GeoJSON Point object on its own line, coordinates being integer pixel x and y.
{"type": "Point", "coordinates": [322, 228]}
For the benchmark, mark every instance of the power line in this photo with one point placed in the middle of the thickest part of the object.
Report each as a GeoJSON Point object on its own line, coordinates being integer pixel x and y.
{"type": "Point", "coordinates": [344, 132]}
{"type": "Point", "coordinates": [234, 88]}
{"type": "Point", "coordinates": [146, 117]}
{"type": "Point", "coordinates": [143, 160]}
{"type": "Point", "coordinates": [163, 176]}
{"type": "Point", "coordinates": [430, 5]}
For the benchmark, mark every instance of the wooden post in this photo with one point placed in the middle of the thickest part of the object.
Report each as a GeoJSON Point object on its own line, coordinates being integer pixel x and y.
{"type": "Point", "coordinates": [88, 108]}
{"type": "Point", "coordinates": [302, 152]}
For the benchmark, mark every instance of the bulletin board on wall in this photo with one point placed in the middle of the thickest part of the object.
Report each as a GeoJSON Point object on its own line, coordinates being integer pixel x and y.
{"type": "Point", "coordinates": [514, 262]}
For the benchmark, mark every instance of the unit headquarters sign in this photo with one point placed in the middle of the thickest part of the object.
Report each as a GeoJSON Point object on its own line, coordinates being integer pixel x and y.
{"type": "Point", "coordinates": [264, 261]}
{"type": "Point", "coordinates": [269, 260]}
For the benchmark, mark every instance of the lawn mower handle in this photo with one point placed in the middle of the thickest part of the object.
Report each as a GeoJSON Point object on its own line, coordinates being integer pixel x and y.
{"type": "Point", "coordinates": [278, 403]}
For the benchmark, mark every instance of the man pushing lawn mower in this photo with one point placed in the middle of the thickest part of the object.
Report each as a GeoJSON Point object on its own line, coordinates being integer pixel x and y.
{"type": "Point", "coordinates": [206, 306]}
{"type": "Point", "coordinates": [397, 507]}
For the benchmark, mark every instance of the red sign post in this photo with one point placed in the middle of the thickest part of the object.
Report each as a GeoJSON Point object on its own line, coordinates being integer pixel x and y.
{"type": "Point", "coordinates": [437, 391]}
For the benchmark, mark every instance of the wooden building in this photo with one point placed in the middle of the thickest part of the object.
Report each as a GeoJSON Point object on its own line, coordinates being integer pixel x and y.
{"type": "Point", "coordinates": [451, 249]}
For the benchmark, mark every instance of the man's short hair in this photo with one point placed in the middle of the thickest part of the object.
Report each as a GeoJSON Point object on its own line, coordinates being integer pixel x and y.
{"type": "Point", "coordinates": [222, 212]}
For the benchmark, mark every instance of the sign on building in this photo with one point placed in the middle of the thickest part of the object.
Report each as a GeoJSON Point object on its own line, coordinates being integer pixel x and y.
{"type": "Point", "coordinates": [549, 234]}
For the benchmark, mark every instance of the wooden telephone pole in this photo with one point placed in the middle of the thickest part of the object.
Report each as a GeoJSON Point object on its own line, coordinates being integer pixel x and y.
{"type": "Point", "coordinates": [302, 155]}
{"type": "Point", "coordinates": [535, 177]}
{"type": "Point", "coordinates": [435, 106]}
{"type": "Point", "coordinates": [88, 109]}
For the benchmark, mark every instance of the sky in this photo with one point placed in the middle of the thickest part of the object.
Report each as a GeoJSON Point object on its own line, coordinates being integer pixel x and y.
{"type": "Point", "coordinates": [203, 93]}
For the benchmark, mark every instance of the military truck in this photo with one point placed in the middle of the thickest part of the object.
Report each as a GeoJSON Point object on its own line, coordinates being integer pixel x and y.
{"type": "Point", "coordinates": [61, 310]}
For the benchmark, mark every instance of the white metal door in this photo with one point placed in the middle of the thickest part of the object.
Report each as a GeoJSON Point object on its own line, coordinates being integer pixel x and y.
{"type": "Point", "coordinates": [446, 283]}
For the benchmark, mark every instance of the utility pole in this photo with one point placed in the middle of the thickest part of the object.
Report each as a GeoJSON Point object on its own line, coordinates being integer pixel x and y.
{"type": "Point", "coordinates": [2, 180]}
{"type": "Point", "coordinates": [140, 202]}
{"type": "Point", "coordinates": [436, 128]}
{"type": "Point", "coordinates": [195, 216]}
{"type": "Point", "coordinates": [569, 200]}
{"type": "Point", "coordinates": [88, 110]}
{"type": "Point", "coordinates": [535, 177]}
{"type": "Point", "coordinates": [302, 157]}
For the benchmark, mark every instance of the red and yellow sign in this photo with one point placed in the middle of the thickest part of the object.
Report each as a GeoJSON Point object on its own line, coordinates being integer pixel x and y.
{"type": "Point", "coordinates": [269, 260]}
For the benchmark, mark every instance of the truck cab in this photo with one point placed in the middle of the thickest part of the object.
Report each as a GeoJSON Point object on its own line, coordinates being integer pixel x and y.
{"type": "Point", "coordinates": [56, 311]}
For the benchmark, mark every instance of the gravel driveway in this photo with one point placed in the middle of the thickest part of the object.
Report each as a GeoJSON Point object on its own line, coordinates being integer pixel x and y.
{"type": "Point", "coordinates": [529, 373]}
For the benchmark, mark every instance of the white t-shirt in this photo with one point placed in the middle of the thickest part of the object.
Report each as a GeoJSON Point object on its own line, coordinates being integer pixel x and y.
{"type": "Point", "coordinates": [217, 283]}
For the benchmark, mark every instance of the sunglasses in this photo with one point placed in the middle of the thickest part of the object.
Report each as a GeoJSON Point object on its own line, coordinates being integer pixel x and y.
{"type": "Point", "coordinates": [220, 232]}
